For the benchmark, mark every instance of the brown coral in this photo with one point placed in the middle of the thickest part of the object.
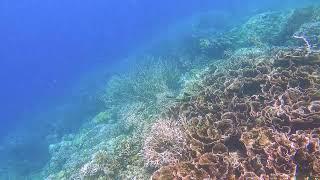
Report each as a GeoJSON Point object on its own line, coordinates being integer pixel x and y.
{"type": "Point", "coordinates": [183, 170]}
{"type": "Point", "coordinates": [258, 122]}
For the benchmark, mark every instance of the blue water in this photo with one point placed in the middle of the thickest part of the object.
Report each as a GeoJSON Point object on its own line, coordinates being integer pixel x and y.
{"type": "Point", "coordinates": [49, 48]}
{"type": "Point", "coordinates": [47, 45]}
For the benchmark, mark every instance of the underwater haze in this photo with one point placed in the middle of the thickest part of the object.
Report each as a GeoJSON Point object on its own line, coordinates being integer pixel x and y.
{"type": "Point", "coordinates": [46, 45]}
{"type": "Point", "coordinates": [139, 89]}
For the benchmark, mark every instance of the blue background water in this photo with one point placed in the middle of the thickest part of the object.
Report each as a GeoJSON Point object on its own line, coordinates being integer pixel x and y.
{"type": "Point", "coordinates": [47, 46]}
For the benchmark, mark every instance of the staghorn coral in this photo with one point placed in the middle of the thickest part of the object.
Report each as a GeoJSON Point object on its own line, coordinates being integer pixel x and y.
{"type": "Point", "coordinates": [270, 25]}
{"type": "Point", "coordinates": [119, 162]}
{"type": "Point", "coordinates": [149, 77]}
{"type": "Point", "coordinates": [165, 145]}
{"type": "Point", "coordinates": [259, 121]}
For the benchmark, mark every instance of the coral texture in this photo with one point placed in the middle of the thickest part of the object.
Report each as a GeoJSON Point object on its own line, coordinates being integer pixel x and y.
{"type": "Point", "coordinates": [165, 145]}
{"type": "Point", "coordinates": [261, 120]}
{"type": "Point", "coordinates": [252, 114]}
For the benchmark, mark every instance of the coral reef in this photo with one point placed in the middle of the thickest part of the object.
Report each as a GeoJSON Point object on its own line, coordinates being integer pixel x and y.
{"type": "Point", "coordinates": [75, 150]}
{"type": "Point", "coordinates": [119, 157]}
{"type": "Point", "coordinates": [275, 28]}
{"type": "Point", "coordinates": [149, 77]}
{"type": "Point", "coordinates": [310, 34]}
{"type": "Point", "coordinates": [297, 18]}
{"type": "Point", "coordinates": [260, 29]}
{"type": "Point", "coordinates": [165, 145]}
{"type": "Point", "coordinates": [253, 114]}
{"type": "Point", "coordinates": [259, 121]}
{"type": "Point", "coordinates": [102, 117]}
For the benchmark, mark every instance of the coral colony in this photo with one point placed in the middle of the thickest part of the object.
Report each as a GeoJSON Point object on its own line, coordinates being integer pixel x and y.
{"type": "Point", "coordinates": [253, 112]}
{"type": "Point", "coordinates": [261, 121]}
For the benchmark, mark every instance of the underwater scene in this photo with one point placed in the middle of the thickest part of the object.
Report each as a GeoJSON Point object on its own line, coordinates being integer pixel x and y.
{"type": "Point", "coordinates": [168, 90]}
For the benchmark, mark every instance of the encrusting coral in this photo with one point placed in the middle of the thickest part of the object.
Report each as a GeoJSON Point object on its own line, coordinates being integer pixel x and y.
{"type": "Point", "coordinates": [260, 121]}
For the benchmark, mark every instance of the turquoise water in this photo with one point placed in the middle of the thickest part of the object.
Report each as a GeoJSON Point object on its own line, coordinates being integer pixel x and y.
{"type": "Point", "coordinates": [99, 90]}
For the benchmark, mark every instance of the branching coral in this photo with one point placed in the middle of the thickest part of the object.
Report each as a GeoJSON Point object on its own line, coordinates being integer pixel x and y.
{"type": "Point", "coordinates": [165, 145]}
{"type": "Point", "coordinates": [150, 76]}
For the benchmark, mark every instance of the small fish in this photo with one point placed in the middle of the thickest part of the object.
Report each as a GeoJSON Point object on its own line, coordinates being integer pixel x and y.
{"type": "Point", "coordinates": [170, 97]}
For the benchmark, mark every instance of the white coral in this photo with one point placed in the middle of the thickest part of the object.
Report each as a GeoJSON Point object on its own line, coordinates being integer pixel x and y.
{"type": "Point", "coordinates": [166, 144]}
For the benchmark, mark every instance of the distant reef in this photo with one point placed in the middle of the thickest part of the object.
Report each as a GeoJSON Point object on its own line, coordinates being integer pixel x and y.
{"type": "Point", "coordinates": [239, 104]}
